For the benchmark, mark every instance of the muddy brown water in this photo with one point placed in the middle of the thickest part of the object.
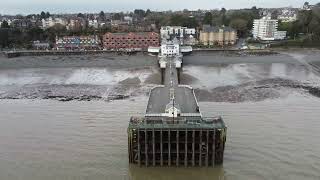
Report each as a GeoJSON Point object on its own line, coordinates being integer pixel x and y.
{"type": "Point", "coordinates": [45, 139]}
{"type": "Point", "coordinates": [276, 137]}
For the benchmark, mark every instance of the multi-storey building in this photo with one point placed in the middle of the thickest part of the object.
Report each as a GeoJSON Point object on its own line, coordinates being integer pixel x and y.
{"type": "Point", "coordinates": [140, 40]}
{"type": "Point", "coordinates": [76, 24]}
{"type": "Point", "coordinates": [21, 23]}
{"type": "Point", "coordinates": [266, 29]}
{"type": "Point", "coordinates": [210, 35]}
{"type": "Point", "coordinates": [46, 23]}
{"type": "Point", "coordinates": [288, 15]}
{"type": "Point", "coordinates": [78, 42]}
{"type": "Point", "coordinates": [183, 34]}
{"type": "Point", "coordinates": [93, 23]}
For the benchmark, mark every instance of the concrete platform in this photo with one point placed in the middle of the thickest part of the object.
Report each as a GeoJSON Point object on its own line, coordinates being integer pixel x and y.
{"type": "Point", "coordinates": [173, 131]}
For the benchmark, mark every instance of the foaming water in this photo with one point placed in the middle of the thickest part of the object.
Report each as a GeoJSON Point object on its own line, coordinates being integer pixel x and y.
{"type": "Point", "coordinates": [61, 76]}
{"type": "Point", "coordinates": [273, 139]}
{"type": "Point", "coordinates": [91, 76]}
{"type": "Point", "coordinates": [236, 74]}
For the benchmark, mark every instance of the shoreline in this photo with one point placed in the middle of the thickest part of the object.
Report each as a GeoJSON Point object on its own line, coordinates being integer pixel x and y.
{"type": "Point", "coordinates": [14, 54]}
{"type": "Point", "coordinates": [269, 51]}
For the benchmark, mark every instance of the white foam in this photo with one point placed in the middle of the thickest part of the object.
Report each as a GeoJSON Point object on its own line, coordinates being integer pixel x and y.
{"type": "Point", "coordinates": [60, 76]}
{"type": "Point", "coordinates": [234, 74]}
{"type": "Point", "coordinates": [90, 76]}
{"type": "Point", "coordinates": [219, 76]}
{"type": "Point", "coordinates": [141, 74]}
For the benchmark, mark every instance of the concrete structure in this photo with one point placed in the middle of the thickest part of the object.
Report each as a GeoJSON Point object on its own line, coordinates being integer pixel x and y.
{"type": "Point", "coordinates": [77, 43]}
{"type": "Point", "coordinates": [266, 29]}
{"type": "Point", "coordinates": [221, 36]}
{"type": "Point", "coordinates": [173, 131]}
{"type": "Point", "coordinates": [131, 40]}
{"type": "Point", "coordinates": [170, 48]}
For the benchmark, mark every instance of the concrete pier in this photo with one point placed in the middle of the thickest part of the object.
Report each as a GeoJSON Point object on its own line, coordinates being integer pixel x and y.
{"type": "Point", "coordinates": [173, 131]}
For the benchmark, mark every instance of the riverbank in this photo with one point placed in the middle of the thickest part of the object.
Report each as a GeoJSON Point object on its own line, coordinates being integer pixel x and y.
{"type": "Point", "coordinates": [13, 54]}
{"type": "Point", "coordinates": [227, 51]}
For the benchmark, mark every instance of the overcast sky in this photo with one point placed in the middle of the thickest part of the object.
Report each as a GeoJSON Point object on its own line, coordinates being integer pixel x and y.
{"type": "Point", "coordinates": [74, 6]}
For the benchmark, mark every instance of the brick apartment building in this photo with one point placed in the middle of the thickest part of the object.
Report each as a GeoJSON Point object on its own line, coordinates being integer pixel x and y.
{"type": "Point", "coordinates": [138, 40]}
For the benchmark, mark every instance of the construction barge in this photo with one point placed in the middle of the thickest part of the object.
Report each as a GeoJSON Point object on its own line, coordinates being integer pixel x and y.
{"type": "Point", "coordinates": [173, 131]}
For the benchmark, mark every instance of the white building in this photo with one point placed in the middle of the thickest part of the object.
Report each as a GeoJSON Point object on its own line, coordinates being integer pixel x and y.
{"type": "Point", "coordinates": [93, 23]}
{"type": "Point", "coordinates": [168, 32]}
{"type": "Point", "coordinates": [287, 18]}
{"type": "Point", "coordinates": [288, 15]}
{"type": "Point", "coordinates": [307, 6]}
{"type": "Point", "coordinates": [280, 35]}
{"type": "Point", "coordinates": [170, 48]}
{"type": "Point", "coordinates": [49, 22]}
{"type": "Point", "coordinates": [266, 29]}
{"type": "Point", "coordinates": [129, 19]}
{"type": "Point", "coordinates": [8, 21]}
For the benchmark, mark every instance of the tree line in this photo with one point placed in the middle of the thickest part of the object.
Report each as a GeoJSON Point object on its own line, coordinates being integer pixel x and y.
{"type": "Point", "coordinates": [306, 27]}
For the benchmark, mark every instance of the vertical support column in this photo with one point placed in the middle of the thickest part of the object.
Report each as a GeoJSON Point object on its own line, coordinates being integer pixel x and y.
{"type": "Point", "coordinates": [153, 148]}
{"type": "Point", "coordinates": [169, 147]}
{"type": "Point", "coordinates": [129, 145]}
{"type": "Point", "coordinates": [139, 148]}
{"type": "Point", "coordinates": [213, 147]}
{"type": "Point", "coordinates": [193, 149]}
{"type": "Point", "coordinates": [178, 152]}
{"type": "Point", "coordinates": [200, 149]}
{"type": "Point", "coordinates": [207, 149]}
{"type": "Point", "coordinates": [178, 71]}
{"type": "Point", "coordinates": [161, 148]}
{"type": "Point", "coordinates": [162, 75]}
{"type": "Point", "coordinates": [186, 150]}
{"type": "Point", "coordinates": [146, 146]}
{"type": "Point", "coordinates": [221, 140]}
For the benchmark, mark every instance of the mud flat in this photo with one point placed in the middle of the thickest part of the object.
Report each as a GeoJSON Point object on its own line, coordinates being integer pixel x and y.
{"type": "Point", "coordinates": [217, 77]}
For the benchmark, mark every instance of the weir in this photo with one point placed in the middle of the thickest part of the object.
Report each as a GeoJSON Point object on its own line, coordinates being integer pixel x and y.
{"type": "Point", "coordinates": [173, 131]}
